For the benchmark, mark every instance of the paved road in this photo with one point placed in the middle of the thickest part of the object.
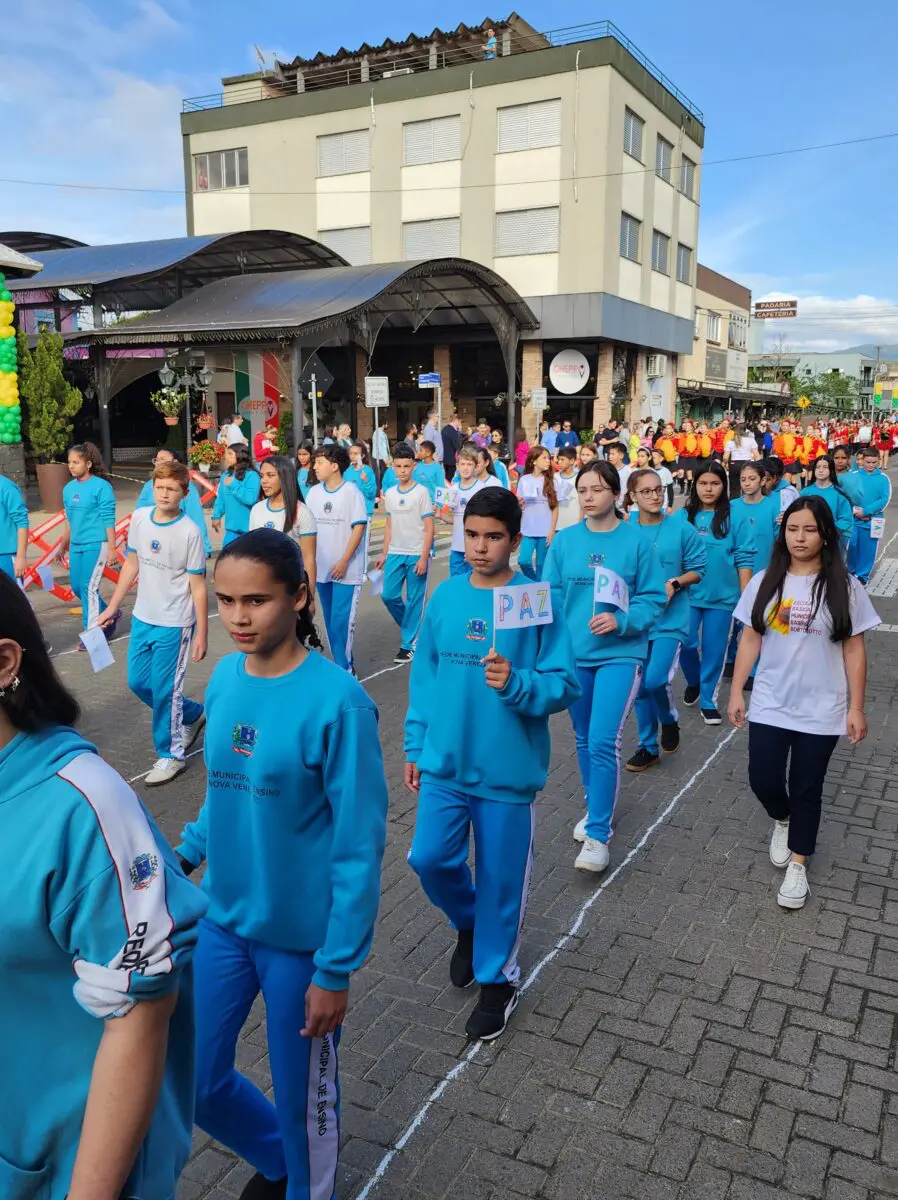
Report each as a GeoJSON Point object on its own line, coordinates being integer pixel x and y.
{"type": "Point", "coordinates": [681, 1036]}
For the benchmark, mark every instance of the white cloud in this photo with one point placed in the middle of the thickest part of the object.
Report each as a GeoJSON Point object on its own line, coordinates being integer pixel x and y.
{"type": "Point", "coordinates": [826, 323]}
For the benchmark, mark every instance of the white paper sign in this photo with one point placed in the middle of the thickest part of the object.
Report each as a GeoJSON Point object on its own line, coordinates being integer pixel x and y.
{"type": "Point", "coordinates": [45, 575]}
{"type": "Point", "coordinates": [97, 648]}
{"type": "Point", "coordinates": [877, 527]}
{"type": "Point", "coordinates": [565, 489]}
{"type": "Point", "coordinates": [446, 497]}
{"type": "Point", "coordinates": [787, 496]}
{"type": "Point", "coordinates": [376, 580]}
{"type": "Point", "coordinates": [526, 604]}
{"type": "Point", "coordinates": [611, 589]}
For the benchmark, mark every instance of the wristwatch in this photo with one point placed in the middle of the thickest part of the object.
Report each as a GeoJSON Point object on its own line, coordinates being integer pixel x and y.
{"type": "Point", "coordinates": [676, 585]}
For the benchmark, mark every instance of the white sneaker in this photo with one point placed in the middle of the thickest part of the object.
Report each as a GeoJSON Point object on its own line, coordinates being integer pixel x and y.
{"type": "Point", "coordinates": [163, 770]}
{"type": "Point", "coordinates": [794, 889]}
{"type": "Point", "coordinates": [780, 854]}
{"type": "Point", "coordinates": [580, 830]}
{"type": "Point", "coordinates": [192, 732]}
{"type": "Point", "coordinates": [593, 857]}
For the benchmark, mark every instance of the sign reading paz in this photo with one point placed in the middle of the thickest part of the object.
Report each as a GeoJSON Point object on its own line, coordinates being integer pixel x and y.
{"type": "Point", "coordinates": [518, 607]}
{"type": "Point", "coordinates": [611, 589]}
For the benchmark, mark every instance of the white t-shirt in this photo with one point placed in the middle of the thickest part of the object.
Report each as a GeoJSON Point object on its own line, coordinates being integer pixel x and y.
{"type": "Point", "coordinates": [865, 434]}
{"type": "Point", "coordinates": [801, 682]}
{"type": "Point", "coordinates": [408, 510]}
{"type": "Point", "coordinates": [168, 554]}
{"type": "Point", "coordinates": [664, 475]}
{"type": "Point", "coordinates": [742, 449]}
{"type": "Point", "coordinates": [336, 513]}
{"type": "Point", "coordinates": [569, 512]}
{"type": "Point", "coordinates": [263, 516]}
{"type": "Point", "coordinates": [231, 435]}
{"type": "Point", "coordinates": [536, 519]}
{"type": "Point", "coordinates": [464, 494]}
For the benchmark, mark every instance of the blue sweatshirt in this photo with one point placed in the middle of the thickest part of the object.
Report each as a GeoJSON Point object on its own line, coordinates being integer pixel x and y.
{"type": "Point", "coordinates": [13, 516]}
{"type": "Point", "coordinates": [840, 506]}
{"type": "Point", "coordinates": [678, 549]}
{"type": "Point", "coordinates": [430, 475]}
{"type": "Point", "coordinates": [873, 490]}
{"type": "Point", "coordinates": [757, 524]}
{"type": "Point", "coordinates": [571, 567]}
{"type": "Point", "coordinates": [847, 481]}
{"type": "Point", "coordinates": [389, 480]}
{"type": "Point", "coordinates": [191, 506]}
{"type": "Point", "coordinates": [89, 506]}
{"type": "Point", "coordinates": [302, 480]}
{"type": "Point", "coordinates": [719, 587]}
{"type": "Point", "coordinates": [235, 500]}
{"type": "Point", "coordinates": [367, 486]}
{"type": "Point", "coordinates": [96, 918]}
{"type": "Point", "coordinates": [455, 723]}
{"type": "Point", "coordinates": [294, 824]}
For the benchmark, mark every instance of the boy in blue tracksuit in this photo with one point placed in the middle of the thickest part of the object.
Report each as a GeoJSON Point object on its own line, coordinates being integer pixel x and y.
{"type": "Point", "coordinates": [13, 529]}
{"type": "Point", "coordinates": [191, 505]}
{"type": "Point", "coordinates": [466, 701]}
{"type": "Point", "coordinates": [428, 471]}
{"type": "Point", "coordinates": [408, 538]}
{"type": "Point", "coordinates": [89, 504]}
{"type": "Point", "coordinates": [873, 491]}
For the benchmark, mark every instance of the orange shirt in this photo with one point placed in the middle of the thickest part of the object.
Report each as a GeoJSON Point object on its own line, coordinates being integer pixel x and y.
{"type": "Point", "coordinates": [705, 445]}
{"type": "Point", "coordinates": [784, 447]}
{"type": "Point", "coordinates": [688, 445]}
{"type": "Point", "coordinates": [667, 448]}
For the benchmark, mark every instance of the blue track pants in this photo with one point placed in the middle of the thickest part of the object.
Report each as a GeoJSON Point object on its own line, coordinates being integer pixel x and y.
{"type": "Point", "coordinates": [532, 556]}
{"type": "Point", "coordinates": [862, 551]}
{"type": "Point", "coordinates": [503, 855]}
{"type": "Point", "coordinates": [655, 702]}
{"type": "Point", "coordinates": [458, 564]}
{"type": "Point", "coordinates": [703, 655]}
{"type": "Point", "coordinates": [86, 564]}
{"type": "Point", "coordinates": [599, 717]}
{"type": "Point", "coordinates": [298, 1135]}
{"type": "Point", "coordinates": [6, 561]}
{"type": "Point", "coordinates": [157, 664]}
{"type": "Point", "coordinates": [399, 572]}
{"type": "Point", "coordinates": [339, 608]}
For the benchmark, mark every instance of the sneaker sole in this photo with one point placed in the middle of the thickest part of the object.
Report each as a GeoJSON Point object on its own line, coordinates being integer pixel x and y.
{"type": "Point", "coordinates": [690, 703]}
{"type": "Point", "coordinates": [509, 1009]}
{"type": "Point", "coordinates": [592, 868]}
{"type": "Point", "coordinates": [781, 866]}
{"type": "Point", "coordinates": [675, 749]}
{"type": "Point", "coordinates": [639, 770]}
{"type": "Point", "coordinates": [713, 720]}
{"type": "Point", "coordinates": [788, 902]}
{"type": "Point", "coordinates": [167, 779]}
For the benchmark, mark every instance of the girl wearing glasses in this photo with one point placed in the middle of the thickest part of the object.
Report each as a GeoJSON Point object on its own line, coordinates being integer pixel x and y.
{"type": "Point", "coordinates": [683, 559]}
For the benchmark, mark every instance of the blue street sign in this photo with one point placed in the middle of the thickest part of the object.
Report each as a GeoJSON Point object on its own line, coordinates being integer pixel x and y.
{"type": "Point", "coordinates": [430, 379]}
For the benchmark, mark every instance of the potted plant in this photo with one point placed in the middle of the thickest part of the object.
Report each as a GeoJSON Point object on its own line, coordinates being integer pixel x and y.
{"type": "Point", "coordinates": [51, 403]}
{"type": "Point", "coordinates": [169, 402]}
{"type": "Point", "coordinates": [205, 455]}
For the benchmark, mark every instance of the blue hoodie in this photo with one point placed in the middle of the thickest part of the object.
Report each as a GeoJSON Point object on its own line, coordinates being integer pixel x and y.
{"type": "Point", "coordinates": [367, 486]}
{"type": "Point", "coordinates": [235, 499]}
{"type": "Point", "coordinates": [757, 524]}
{"type": "Point", "coordinates": [96, 917]}
{"type": "Point", "coordinates": [840, 505]}
{"type": "Point", "coordinates": [847, 481]}
{"type": "Point", "coordinates": [191, 506]}
{"type": "Point", "coordinates": [13, 516]}
{"type": "Point", "coordinates": [719, 587]}
{"type": "Point", "coordinates": [294, 824]}
{"type": "Point", "coordinates": [89, 506]}
{"type": "Point", "coordinates": [873, 490]}
{"type": "Point", "coordinates": [678, 549]}
{"type": "Point", "coordinates": [571, 567]}
{"type": "Point", "coordinates": [465, 735]}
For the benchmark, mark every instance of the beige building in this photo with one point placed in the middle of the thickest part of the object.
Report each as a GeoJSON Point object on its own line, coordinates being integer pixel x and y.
{"type": "Point", "coordinates": [565, 163]}
{"type": "Point", "coordinates": [713, 378]}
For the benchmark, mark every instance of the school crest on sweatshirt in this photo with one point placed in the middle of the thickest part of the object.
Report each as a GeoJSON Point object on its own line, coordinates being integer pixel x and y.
{"type": "Point", "coordinates": [244, 739]}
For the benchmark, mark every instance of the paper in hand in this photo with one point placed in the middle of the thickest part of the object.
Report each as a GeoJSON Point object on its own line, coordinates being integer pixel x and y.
{"type": "Point", "coordinates": [376, 580]}
{"type": "Point", "coordinates": [97, 648]}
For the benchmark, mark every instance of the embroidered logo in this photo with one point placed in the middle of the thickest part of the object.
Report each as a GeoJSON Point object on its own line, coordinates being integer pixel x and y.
{"type": "Point", "coordinates": [476, 630]}
{"type": "Point", "coordinates": [244, 739]}
{"type": "Point", "coordinates": [143, 871]}
{"type": "Point", "coordinates": [155, 545]}
{"type": "Point", "coordinates": [596, 560]}
{"type": "Point", "coordinates": [328, 507]}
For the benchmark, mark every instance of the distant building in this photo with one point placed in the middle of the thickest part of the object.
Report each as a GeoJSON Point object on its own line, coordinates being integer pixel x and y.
{"type": "Point", "coordinates": [773, 367]}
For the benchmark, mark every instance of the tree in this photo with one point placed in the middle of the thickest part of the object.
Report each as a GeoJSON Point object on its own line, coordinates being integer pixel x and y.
{"type": "Point", "coordinates": [49, 399]}
{"type": "Point", "coordinates": [829, 389]}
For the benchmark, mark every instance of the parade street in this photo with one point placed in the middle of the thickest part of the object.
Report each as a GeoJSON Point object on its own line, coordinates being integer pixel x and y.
{"type": "Point", "coordinates": [680, 1035]}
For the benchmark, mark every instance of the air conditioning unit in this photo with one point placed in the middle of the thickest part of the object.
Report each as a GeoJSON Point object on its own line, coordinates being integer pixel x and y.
{"type": "Point", "coordinates": [655, 365]}
{"type": "Point", "coordinates": [398, 71]}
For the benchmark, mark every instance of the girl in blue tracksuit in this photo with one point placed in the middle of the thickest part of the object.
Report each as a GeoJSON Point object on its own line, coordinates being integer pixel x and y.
{"type": "Point", "coordinates": [613, 592]}
{"type": "Point", "coordinates": [13, 529]}
{"type": "Point", "coordinates": [682, 558]}
{"type": "Point", "coordinates": [873, 491]}
{"type": "Point", "coordinates": [361, 473]}
{"type": "Point", "coordinates": [97, 938]}
{"type": "Point", "coordinates": [826, 485]}
{"type": "Point", "coordinates": [89, 504]}
{"type": "Point", "coordinates": [731, 555]}
{"type": "Point", "coordinates": [191, 505]}
{"type": "Point", "coordinates": [305, 469]}
{"type": "Point", "coordinates": [756, 519]}
{"type": "Point", "coordinates": [238, 491]}
{"type": "Point", "coordinates": [292, 833]}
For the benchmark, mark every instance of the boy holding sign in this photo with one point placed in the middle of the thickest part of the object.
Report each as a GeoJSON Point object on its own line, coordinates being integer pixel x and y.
{"type": "Point", "coordinates": [490, 668]}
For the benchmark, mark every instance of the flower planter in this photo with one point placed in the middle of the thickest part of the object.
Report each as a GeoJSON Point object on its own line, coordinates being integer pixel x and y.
{"type": "Point", "coordinates": [170, 420]}
{"type": "Point", "coordinates": [51, 479]}
{"type": "Point", "coordinates": [205, 421]}
{"type": "Point", "coordinates": [205, 468]}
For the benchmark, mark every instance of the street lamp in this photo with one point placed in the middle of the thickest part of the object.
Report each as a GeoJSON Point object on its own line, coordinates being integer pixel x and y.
{"type": "Point", "coordinates": [166, 376]}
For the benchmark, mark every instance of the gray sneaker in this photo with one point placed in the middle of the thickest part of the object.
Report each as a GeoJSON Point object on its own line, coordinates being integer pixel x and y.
{"type": "Point", "coordinates": [780, 854]}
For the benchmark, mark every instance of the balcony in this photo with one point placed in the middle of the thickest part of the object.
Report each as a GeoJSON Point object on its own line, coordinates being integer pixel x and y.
{"type": "Point", "coordinates": [463, 47]}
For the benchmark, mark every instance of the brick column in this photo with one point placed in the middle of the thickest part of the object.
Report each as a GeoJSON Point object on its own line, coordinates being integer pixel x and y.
{"type": "Point", "coordinates": [531, 377]}
{"type": "Point", "coordinates": [633, 410]}
{"type": "Point", "coordinates": [364, 416]}
{"type": "Point", "coordinates": [601, 410]}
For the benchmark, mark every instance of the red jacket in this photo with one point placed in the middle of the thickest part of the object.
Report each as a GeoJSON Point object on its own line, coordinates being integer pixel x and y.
{"type": "Point", "coordinates": [263, 446]}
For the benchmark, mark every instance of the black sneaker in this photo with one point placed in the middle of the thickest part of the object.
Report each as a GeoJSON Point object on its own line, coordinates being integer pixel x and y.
{"type": "Point", "coordinates": [642, 760]}
{"type": "Point", "coordinates": [461, 965]}
{"type": "Point", "coordinates": [490, 1016]}
{"type": "Point", "coordinates": [728, 670]}
{"type": "Point", "coordinates": [404, 656]}
{"type": "Point", "coordinates": [711, 716]}
{"type": "Point", "coordinates": [670, 738]}
{"type": "Point", "coordinates": [749, 684]}
{"type": "Point", "coordinates": [260, 1188]}
{"type": "Point", "coordinates": [691, 695]}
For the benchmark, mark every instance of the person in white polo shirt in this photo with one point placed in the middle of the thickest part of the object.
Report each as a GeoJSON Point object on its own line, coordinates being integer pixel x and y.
{"type": "Point", "coordinates": [406, 553]}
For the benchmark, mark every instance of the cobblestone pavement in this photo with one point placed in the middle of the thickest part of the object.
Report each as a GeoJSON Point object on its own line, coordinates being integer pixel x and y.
{"type": "Point", "coordinates": [684, 1037]}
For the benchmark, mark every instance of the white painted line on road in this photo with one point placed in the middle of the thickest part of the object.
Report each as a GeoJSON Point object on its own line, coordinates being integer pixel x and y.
{"type": "Point", "coordinates": [459, 1069]}
{"type": "Point", "coordinates": [885, 629]}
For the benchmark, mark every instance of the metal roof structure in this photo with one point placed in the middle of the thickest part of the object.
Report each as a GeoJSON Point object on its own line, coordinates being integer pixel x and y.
{"type": "Point", "coordinates": [444, 293]}
{"type": "Point", "coordinates": [27, 242]}
{"type": "Point", "coordinates": [13, 260]}
{"type": "Point", "coordinates": [134, 276]}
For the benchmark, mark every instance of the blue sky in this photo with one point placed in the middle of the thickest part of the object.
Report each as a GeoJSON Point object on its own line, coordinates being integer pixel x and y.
{"type": "Point", "coordinates": [92, 89]}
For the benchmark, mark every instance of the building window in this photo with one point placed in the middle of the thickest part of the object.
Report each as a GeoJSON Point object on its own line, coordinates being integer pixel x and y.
{"type": "Point", "coordinates": [530, 126]}
{"type": "Point", "coordinates": [353, 243]}
{"type": "Point", "coordinates": [220, 169]}
{"type": "Point", "coordinates": [684, 264]}
{"type": "Point", "coordinates": [633, 127]}
{"type": "Point", "coordinates": [344, 153]}
{"type": "Point", "coordinates": [629, 237]}
{"type": "Point", "coordinates": [433, 141]}
{"type": "Point", "coordinates": [713, 327]}
{"type": "Point", "coordinates": [527, 231]}
{"type": "Point", "coordinates": [432, 239]}
{"type": "Point", "coordinates": [664, 159]}
{"type": "Point", "coordinates": [687, 177]}
{"type": "Point", "coordinates": [738, 332]}
{"type": "Point", "coordinates": [660, 247]}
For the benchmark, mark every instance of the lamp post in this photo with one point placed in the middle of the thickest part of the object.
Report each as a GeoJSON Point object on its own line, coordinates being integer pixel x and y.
{"type": "Point", "coordinates": [187, 375]}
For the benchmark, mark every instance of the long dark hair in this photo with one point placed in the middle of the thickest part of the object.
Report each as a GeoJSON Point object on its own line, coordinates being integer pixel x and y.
{"type": "Point", "coordinates": [289, 487]}
{"type": "Point", "coordinates": [273, 549]}
{"type": "Point", "coordinates": [311, 478]}
{"type": "Point", "coordinates": [533, 454]}
{"type": "Point", "coordinates": [364, 449]}
{"type": "Point", "coordinates": [94, 456]}
{"type": "Point", "coordinates": [832, 580]}
{"type": "Point", "coordinates": [484, 456]}
{"type": "Point", "coordinates": [40, 701]}
{"type": "Point", "coordinates": [605, 470]}
{"type": "Point", "coordinates": [720, 522]}
{"type": "Point", "coordinates": [833, 477]}
{"type": "Point", "coordinates": [244, 461]}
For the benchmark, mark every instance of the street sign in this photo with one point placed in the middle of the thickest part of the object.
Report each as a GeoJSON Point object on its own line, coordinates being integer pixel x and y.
{"type": "Point", "coordinates": [377, 391]}
{"type": "Point", "coordinates": [323, 378]}
{"type": "Point", "coordinates": [429, 380]}
{"type": "Point", "coordinates": [539, 398]}
{"type": "Point", "coordinates": [774, 309]}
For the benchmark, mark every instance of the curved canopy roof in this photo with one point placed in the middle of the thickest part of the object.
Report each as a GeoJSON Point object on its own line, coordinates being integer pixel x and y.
{"type": "Point", "coordinates": [444, 292]}
{"type": "Point", "coordinates": [27, 242]}
{"type": "Point", "coordinates": [131, 276]}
